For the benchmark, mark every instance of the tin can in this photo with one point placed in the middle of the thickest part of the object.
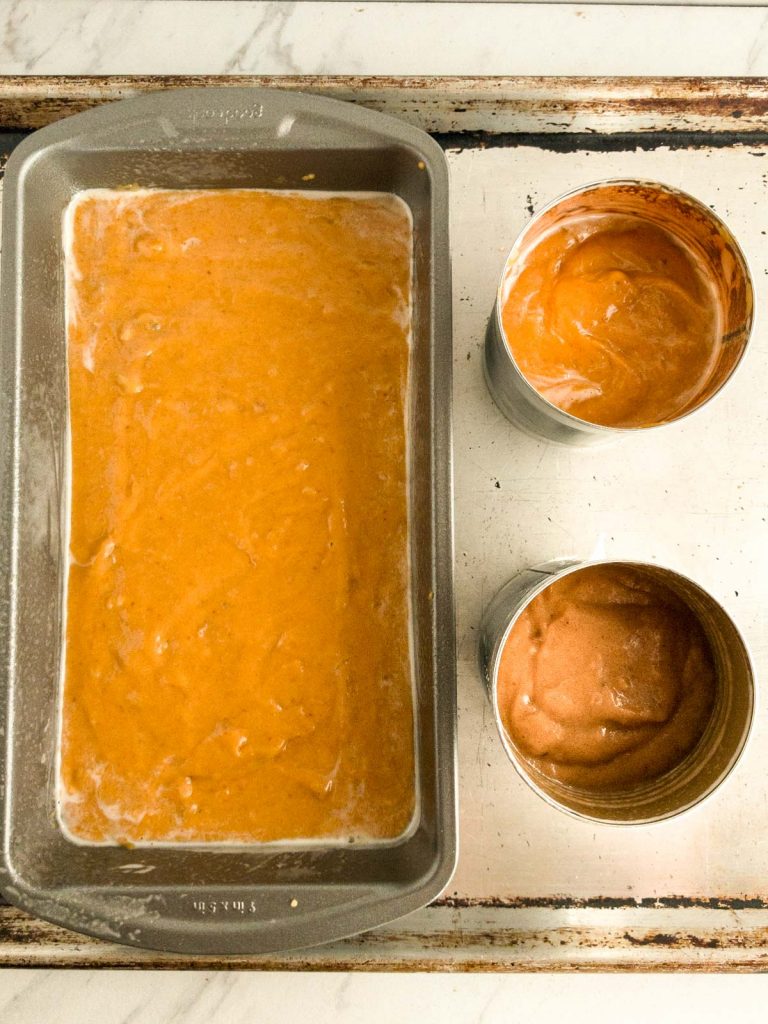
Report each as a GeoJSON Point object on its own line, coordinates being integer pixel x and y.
{"type": "Point", "coordinates": [686, 219]}
{"type": "Point", "coordinates": [716, 753]}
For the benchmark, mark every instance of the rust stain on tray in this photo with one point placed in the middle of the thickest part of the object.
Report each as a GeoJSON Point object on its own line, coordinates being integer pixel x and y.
{"type": "Point", "coordinates": [27, 942]}
{"type": "Point", "coordinates": [618, 142]}
{"type": "Point", "coordinates": [32, 101]}
{"type": "Point", "coordinates": [686, 940]}
{"type": "Point", "coordinates": [604, 903]}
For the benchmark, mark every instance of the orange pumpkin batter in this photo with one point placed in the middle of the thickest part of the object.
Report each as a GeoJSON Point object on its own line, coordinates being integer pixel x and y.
{"type": "Point", "coordinates": [606, 680]}
{"type": "Point", "coordinates": [613, 320]}
{"type": "Point", "coordinates": [237, 648]}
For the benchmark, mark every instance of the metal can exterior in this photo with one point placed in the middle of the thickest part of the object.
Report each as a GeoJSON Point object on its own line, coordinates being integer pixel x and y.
{"type": "Point", "coordinates": [688, 220]}
{"type": "Point", "coordinates": [716, 753]}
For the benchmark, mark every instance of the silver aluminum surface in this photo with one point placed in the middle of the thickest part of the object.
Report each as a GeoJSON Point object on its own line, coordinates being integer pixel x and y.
{"type": "Point", "coordinates": [714, 757]}
{"type": "Point", "coordinates": [245, 898]}
{"type": "Point", "coordinates": [693, 498]}
{"type": "Point", "coordinates": [536, 890]}
{"type": "Point", "coordinates": [688, 220]}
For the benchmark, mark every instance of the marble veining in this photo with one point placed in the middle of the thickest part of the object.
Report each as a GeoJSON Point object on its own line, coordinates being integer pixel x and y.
{"type": "Point", "coordinates": [271, 31]}
{"type": "Point", "coordinates": [247, 37]}
{"type": "Point", "coordinates": [175, 997]}
{"type": "Point", "coordinates": [239, 36]}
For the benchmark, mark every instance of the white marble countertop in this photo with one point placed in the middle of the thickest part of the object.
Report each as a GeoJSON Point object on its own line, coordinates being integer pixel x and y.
{"type": "Point", "coordinates": [238, 36]}
{"type": "Point", "coordinates": [126, 997]}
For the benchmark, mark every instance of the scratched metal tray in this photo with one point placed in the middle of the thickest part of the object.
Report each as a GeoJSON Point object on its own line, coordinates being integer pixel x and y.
{"type": "Point", "coordinates": [535, 889]}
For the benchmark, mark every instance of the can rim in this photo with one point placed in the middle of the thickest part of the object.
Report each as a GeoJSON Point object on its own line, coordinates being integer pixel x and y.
{"type": "Point", "coordinates": [557, 570]}
{"type": "Point", "coordinates": [577, 422]}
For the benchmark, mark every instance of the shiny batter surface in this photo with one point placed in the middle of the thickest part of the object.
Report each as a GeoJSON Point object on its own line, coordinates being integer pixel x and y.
{"type": "Point", "coordinates": [606, 680]}
{"type": "Point", "coordinates": [237, 648]}
{"type": "Point", "coordinates": [613, 320]}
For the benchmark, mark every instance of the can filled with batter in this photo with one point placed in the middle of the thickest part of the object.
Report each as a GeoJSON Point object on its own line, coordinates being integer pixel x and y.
{"type": "Point", "coordinates": [622, 691]}
{"type": "Point", "coordinates": [623, 306]}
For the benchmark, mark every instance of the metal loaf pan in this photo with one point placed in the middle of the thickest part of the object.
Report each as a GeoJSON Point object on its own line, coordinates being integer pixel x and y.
{"type": "Point", "coordinates": [198, 899]}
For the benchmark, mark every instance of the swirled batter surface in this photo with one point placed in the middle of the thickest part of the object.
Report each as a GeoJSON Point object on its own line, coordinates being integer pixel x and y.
{"type": "Point", "coordinates": [614, 320]}
{"type": "Point", "coordinates": [237, 649]}
{"type": "Point", "coordinates": [606, 680]}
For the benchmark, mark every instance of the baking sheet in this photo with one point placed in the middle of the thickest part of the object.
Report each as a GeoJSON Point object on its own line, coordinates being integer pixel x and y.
{"type": "Point", "coordinates": [535, 889]}
{"type": "Point", "coordinates": [693, 497]}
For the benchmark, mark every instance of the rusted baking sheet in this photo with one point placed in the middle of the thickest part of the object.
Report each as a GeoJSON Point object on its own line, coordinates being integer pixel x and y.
{"type": "Point", "coordinates": [446, 104]}
{"type": "Point", "coordinates": [525, 896]}
{"type": "Point", "coordinates": [447, 938]}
